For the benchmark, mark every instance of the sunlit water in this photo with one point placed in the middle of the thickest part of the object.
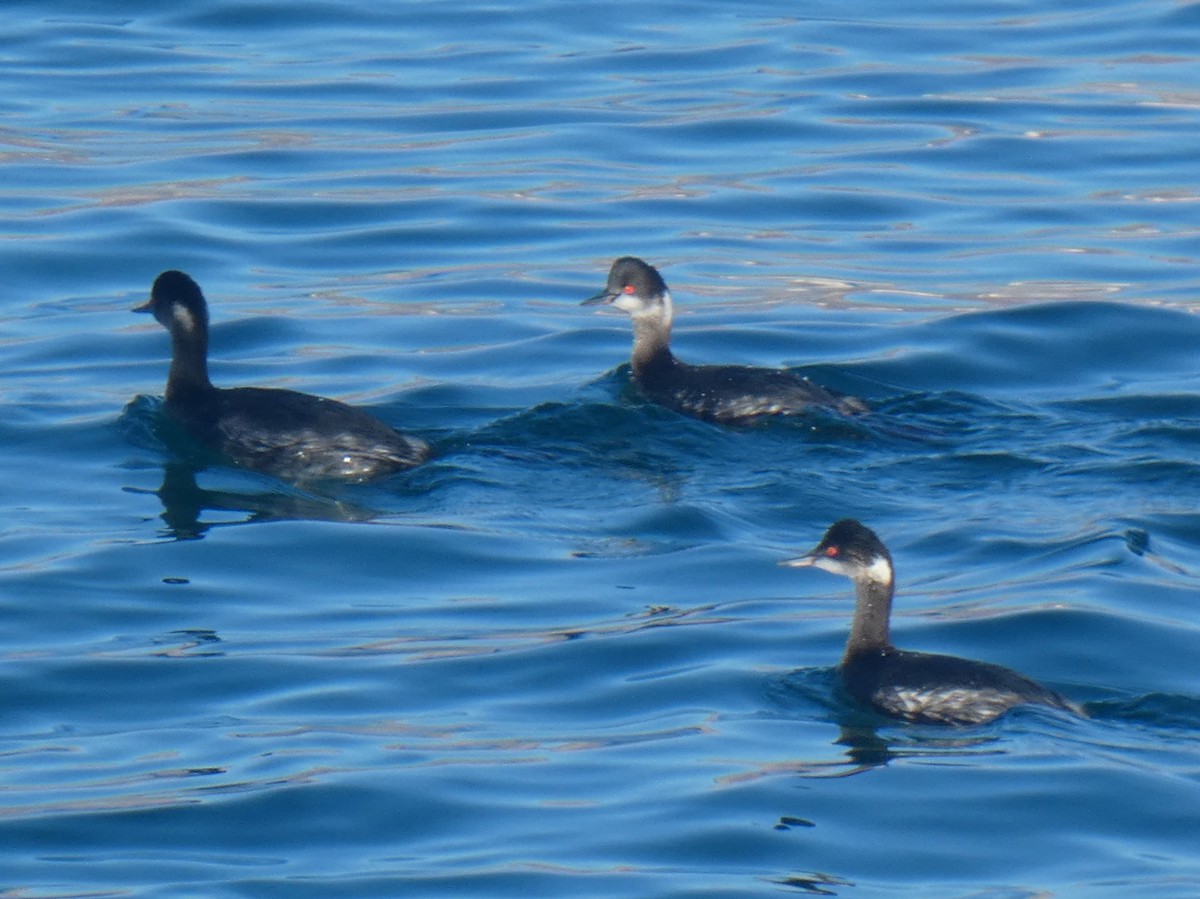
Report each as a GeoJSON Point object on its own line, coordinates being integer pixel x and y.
{"type": "Point", "coordinates": [560, 659]}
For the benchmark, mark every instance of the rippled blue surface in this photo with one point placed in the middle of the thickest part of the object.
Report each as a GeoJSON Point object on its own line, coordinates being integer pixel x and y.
{"type": "Point", "coordinates": [560, 659]}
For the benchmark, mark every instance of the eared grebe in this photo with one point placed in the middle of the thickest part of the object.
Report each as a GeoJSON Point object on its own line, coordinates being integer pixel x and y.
{"type": "Point", "coordinates": [916, 686]}
{"type": "Point", "coordinates": [294, 436]}
{"type": "Point", "coordinates": [731, 394]}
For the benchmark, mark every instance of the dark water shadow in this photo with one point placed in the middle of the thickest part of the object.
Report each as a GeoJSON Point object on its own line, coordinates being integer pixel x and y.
{"type": "Point", "coordinates": [1169, 712]}
{"type": "Point", "coordinates": [586, 438]}
{"type": "Point", "coordinates": [814, 883]}
{"type": "Point", "coordinates": [185, 503]}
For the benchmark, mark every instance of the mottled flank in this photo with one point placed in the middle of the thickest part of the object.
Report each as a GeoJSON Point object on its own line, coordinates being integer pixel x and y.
{"type": "Point", "coordinates": [295, 436]}
{"type": "Point", "coordinates": [738, 395]}
{"type": "Point", "coordinates": [938, 689]}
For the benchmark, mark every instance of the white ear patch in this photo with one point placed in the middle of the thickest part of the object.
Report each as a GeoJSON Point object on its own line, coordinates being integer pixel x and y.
{"type": "Point", "coordinates": [668, 311]}
{"type": "Point", "coordinates": [653, 308]}
{"type": "Point", "coordinates": [183, 317]}
{"type": "Point", "coordinates": [880, 570]}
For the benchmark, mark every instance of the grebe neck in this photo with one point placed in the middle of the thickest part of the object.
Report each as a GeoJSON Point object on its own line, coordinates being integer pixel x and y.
{"type": "Point", "coordinates": [189, 355]}
{"type": "Point", "coordinates": [873, 606]}
{"type": "Point", "coordinates": [652, 336]}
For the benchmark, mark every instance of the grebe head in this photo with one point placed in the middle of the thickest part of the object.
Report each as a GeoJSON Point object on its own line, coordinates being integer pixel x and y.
{"type": "Point", "coordinates": [851, 549]}
{"type": "Point", "coordinates": [177, 303]}
{"type": "Point", "coordinates": [635, 287]}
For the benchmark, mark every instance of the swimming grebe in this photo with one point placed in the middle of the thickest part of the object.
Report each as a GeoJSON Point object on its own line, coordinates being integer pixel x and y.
{"type": "Point", "coordinates": [916, 686]}
{"type": "Point", "coordinates": [294, 436]}
{"type": "Point", "coordinates": [731, 394]}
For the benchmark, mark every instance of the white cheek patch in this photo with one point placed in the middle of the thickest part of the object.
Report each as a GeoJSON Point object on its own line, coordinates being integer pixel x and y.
{"type": "Point", "coordinates": [628, 303]}
{"type": "Point", "coordinates": [639, 306]}
{"type": "Point", "coordinates": [183, 318]}
{"type": "Point", "coordinates": [833, 566]}
{"type": "Point", "coordinates": [880, 570]}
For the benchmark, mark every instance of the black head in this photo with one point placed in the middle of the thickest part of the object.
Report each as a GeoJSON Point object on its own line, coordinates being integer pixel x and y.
{"type": "Point", "coordinates": [633, 285]}
{"type": "Point", "coordinates": [849, 548]}
{"type": "Point", "coordinates": [176, 301]}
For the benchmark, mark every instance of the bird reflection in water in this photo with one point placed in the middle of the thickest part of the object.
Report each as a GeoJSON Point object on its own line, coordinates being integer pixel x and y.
{"type": "Point", "coordinates": [185, 503]}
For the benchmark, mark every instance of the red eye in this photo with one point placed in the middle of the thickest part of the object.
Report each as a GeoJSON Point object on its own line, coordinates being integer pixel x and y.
{"type": "Point", "coordinates": [628, 289]}
{"type": "Point", "coordinates": [832, 552]}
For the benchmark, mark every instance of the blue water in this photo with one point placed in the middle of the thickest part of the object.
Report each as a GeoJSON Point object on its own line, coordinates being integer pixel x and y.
{"type": "Point", "coordinates": [560, 660]}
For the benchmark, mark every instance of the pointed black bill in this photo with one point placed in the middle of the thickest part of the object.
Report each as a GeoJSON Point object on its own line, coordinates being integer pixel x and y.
{"type": "Point", "coordinates": [603, 296]}
{"type": "Point", "coordinates": [805, 561]}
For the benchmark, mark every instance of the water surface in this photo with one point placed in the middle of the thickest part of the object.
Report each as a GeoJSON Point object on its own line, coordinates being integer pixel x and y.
{"type": "Point", "coordinates": [560, 659]}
